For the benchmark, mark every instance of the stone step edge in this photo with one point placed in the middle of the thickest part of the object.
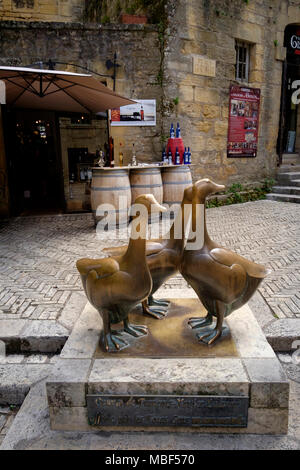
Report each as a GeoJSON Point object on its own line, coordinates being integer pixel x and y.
{"type": "Point", "coordinates": [283, 196]}
{"type": "Point", "coordinates": [33, 344]}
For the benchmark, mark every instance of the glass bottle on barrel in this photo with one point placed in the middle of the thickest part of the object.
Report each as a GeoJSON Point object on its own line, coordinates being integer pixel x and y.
{"type": "Point", "coordinates": [121, 158]}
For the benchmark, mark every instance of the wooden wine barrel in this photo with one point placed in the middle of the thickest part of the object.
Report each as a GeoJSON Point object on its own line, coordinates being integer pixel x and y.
{"type": "Point", "coordinates": [175, 180]}
{"type": "Point", "coordinates": [144, 181]}
{"type": "Point", "coordinates": [108, 186]}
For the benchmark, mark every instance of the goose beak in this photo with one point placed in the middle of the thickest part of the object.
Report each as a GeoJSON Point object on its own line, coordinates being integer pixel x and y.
{"type": "Point", "coordinates": [156, 207]}
{"type": "Point", "coordinates": [219, 187]}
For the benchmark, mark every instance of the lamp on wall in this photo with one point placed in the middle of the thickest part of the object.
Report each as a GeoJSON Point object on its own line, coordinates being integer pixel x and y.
{"type": "Point", "coordinates": [109, 64]}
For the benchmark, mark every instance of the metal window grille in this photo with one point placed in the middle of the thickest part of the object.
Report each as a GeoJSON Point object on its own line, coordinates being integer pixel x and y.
{"type": "Point", "coordinates": [242, 61]}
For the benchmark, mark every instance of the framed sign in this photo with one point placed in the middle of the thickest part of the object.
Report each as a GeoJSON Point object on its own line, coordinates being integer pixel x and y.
{"type": "Point", "coordinates": [243, 121]}
{"type": "Point", "coordinates": [141, 113]}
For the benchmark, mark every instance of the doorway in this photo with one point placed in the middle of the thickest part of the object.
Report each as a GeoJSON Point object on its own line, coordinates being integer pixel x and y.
{"type": "Point", "coordinates": [34, 162]}
{"type": "Point", "coordinates": [289, 128]}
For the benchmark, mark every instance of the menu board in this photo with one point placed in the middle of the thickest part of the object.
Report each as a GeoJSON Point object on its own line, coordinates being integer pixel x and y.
{"type": "Point", "coordinates": [243, 121]}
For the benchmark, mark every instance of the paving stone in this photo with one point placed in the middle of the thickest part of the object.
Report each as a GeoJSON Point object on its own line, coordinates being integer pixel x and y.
{"type": "Point", "coordinates": [84, 338]}
{"type": "Point", "coordinates": [36, 359]}
{"type": "Point", "coordinates": [8, 422]}
{"type": "Point", "coordinates": [12, 359]}
{"type": "Point", "coordinates": [72, 309]}
{"type": "Point", "coordinates": [16, 380]}
{"type": "Point", "coordinates": [2, 420]}
{"type": "Point", "coordinates": [11, 328]}
{"type": "Point", "coordinates": [43, 336]}
{"type": "Point", "coordinates": [32, 248]}
{"type": "Point", "coordinates": [283, 334]}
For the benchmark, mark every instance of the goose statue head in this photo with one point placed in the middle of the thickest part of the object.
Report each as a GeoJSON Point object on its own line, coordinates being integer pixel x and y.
{"type": "Point", "coordinates": [203, 188]}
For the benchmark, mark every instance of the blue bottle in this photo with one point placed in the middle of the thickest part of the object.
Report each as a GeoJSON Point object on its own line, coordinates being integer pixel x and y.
{"type": "Point", "coordinates": [189, 156]}
{"type": "Point", "coordinates": [178, 134]}
{"type": "Point", "coordinates": [185, 157]}
{"type": "Point", "coordinates": [172, 132]}
{"type": "Point", "coordinates": [177, 157]}
{"type": "Point", "coordinates": [170, 158]}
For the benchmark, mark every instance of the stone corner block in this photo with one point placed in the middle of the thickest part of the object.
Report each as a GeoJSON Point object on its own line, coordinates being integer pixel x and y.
{"type": "Point", "coordinates": [66, 386]}
{"type": "Point", "coordinates": [283, 334]}
{"type": "Point", "coordinates": [269, 386]}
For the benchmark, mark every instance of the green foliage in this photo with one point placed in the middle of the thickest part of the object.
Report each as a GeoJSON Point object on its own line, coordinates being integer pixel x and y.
{"type": "Point", "coordinates": [176, 100]}
{"type": "Point", "coordinates": [105, 19]}
{"type": "Point", "coordinates": [213, 203]}
{"type": "Point", "coordinates": [93, 10]}
{"type": "Point", "coordinates": [275, 42]}
{"type": "Point", "coordinates": [235, 187]}
{"type": "Point", "coordinates": [268, 184]}
{"type": "Point", "coordinates": [237, 194]}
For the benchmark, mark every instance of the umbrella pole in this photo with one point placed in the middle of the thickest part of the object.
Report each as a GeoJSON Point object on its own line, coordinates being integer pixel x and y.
{"type": "Point", "coordinates": [108, 133]}
{"type": "Point", "coordinates": [4, 191]}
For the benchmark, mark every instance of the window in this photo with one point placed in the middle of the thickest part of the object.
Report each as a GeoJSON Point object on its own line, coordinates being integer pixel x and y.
{"type": "Point", "coordinates": [242, 61]}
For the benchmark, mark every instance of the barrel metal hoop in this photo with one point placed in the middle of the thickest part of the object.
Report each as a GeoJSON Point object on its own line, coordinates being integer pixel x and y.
{"type": "Point", "coordinates": [146, 185]}
{"type": "Point", "coordinates": [177, 182]}
{"type": "Point", "coordinates": [114, 188]}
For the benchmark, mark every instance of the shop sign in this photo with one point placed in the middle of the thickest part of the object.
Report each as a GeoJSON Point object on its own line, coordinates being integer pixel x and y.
{"type": "Point", "coordinates": [141, 113]}
{"type": "Point", "coordinates": [243, 121]}
{"type": "Point", "coordinates": [292, 41]}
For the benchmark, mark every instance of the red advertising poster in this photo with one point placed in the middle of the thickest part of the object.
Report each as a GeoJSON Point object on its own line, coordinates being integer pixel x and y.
{"type": "Point", "coordinates": [243, 121]}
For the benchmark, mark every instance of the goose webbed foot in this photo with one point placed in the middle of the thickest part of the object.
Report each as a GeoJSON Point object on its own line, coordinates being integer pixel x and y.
{"type": "Point", "coordinates": [159, 312]}
{"type": "Point", "coordinates": [211, 336]}
{"type": "Point", "coordinates": [159, 302]}
{"type": "Point", "coordinates": [199, 322]}
{"type": "Point", "coordinates": [135, 330]}
{"type": "Point", "coordinates": [112, 342]}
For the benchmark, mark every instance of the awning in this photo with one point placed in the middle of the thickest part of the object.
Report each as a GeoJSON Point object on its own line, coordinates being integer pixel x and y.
{"type": "Point", "coordinates": [57, 90]}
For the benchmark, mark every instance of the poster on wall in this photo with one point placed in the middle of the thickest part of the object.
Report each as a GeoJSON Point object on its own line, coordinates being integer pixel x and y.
{"type": "Point", "coordinates": [141, 113]}
{"type": "Point", "coordinates": [243, 121]}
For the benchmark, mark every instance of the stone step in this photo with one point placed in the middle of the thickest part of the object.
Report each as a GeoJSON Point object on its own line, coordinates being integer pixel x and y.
{"type": "Point", "coordinates": [288, 168]}
{"type": "Point", "coordinates": [288, 158]}
{"type": "Point", "coordinates": [287, 177]}
{"type": "Point", "coordinates": [283, 197]}
{"type": "Point", "coordinates": [295, 182]}
{"type": "Point", "coordinates": [286, 190]}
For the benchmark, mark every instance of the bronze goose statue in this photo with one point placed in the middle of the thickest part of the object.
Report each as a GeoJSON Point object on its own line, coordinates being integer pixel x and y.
{"type": "Point", "coordinates": [163, 256]}
{"type": "Point", "coordinates": [222, 279]}
{"type": "Point", "coordinates": [115, 285]}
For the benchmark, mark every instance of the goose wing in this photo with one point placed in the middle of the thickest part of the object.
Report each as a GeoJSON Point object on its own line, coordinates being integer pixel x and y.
{"type": "Point", "coordinates": [229, 258]}
{"type": "Point", "coordinates": [152, 247]}
{"type": "Point", "coordinates": [103, 267]}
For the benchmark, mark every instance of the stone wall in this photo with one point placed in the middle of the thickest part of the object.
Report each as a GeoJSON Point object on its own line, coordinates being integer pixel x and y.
{"type": "Point", "coordinates": [203, 29]}
{"type": "Point", "coordinates": [90, 45]}
{"type": "Point", "coordinates": [41, 10]}
{"type": "Point", "coordinates": [198, 31]}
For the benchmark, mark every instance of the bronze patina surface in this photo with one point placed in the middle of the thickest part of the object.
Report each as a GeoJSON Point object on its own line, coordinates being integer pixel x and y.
{"type": "Point", "coordinates": [163, 256]}
{"type": "Point", "coordinates": [115, 285]}
{"type": "Point", "coordinates": [173, 337]}
{"type": "Point", "coordinates": [223, 280]}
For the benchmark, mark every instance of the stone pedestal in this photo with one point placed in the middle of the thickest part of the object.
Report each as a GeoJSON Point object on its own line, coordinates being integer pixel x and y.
{"type": "Point", "coordinates": [241, 368]}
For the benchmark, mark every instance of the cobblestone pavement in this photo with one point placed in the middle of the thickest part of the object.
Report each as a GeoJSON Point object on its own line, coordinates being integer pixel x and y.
{"type": "Point", "coordinates": [38, 254]}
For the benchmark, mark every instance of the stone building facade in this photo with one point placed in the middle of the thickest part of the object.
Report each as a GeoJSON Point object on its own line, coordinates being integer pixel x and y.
{"type": "Point", "coordinates": [187, 62]}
